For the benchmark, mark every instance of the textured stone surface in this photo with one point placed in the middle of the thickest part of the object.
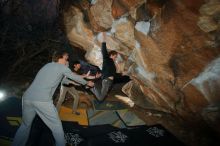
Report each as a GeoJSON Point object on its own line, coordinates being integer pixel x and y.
{"type": "Point", "coordinates": [170, 50]}
{"type": "Point", "coordinates": [118, 9]}
{"type": "Point", "coordinates": [100, 15]}
{"type": "Point", "coordinates": [124, 32]}
{"type": "Point", "coordinates": [209, 20]}
{"type": "Point", "coordinates": [129, 4]}
{"type": "Point", "coordinates": [210, 8]}
{"type": "Point", "coordinates": [207, 24]}
{"type": "Point", "coordinates": [77, 30]}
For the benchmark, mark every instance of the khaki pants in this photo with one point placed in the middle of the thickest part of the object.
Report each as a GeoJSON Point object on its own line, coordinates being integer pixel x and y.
{"type": "Point", "coordinates": [73, 92]}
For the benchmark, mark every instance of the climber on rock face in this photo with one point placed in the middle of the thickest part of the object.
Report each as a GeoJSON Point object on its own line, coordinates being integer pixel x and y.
{"type": "Point", "coordinates": [108, 71]}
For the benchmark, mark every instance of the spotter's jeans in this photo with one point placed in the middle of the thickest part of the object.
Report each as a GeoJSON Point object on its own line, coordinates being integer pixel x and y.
{"type": "Point", "coordinates": [103, 91]}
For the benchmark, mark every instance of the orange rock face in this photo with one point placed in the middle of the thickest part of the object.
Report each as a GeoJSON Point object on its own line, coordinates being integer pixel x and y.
{"type": "Point", "coordinates": [118, 9]}
{"type": "Point", "coordinates": [100, 15]}
{"type": "Point", "coordinates": [168, 61]}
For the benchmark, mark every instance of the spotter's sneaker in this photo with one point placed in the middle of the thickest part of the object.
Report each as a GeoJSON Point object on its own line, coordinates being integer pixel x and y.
{"type": "Point", "coordinates": [76, 113]}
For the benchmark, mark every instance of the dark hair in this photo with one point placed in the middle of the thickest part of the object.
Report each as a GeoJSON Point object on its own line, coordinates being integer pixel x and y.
{"type": "Point", "coordinates": [76, 62]}
{"type": "Point", "coordinates": [58, 54]}
{"type": "Point", "coordinates": [112, 53]}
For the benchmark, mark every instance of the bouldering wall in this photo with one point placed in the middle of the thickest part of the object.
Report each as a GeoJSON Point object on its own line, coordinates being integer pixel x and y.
{"type": "Point", "coordinates": [170, 49]}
